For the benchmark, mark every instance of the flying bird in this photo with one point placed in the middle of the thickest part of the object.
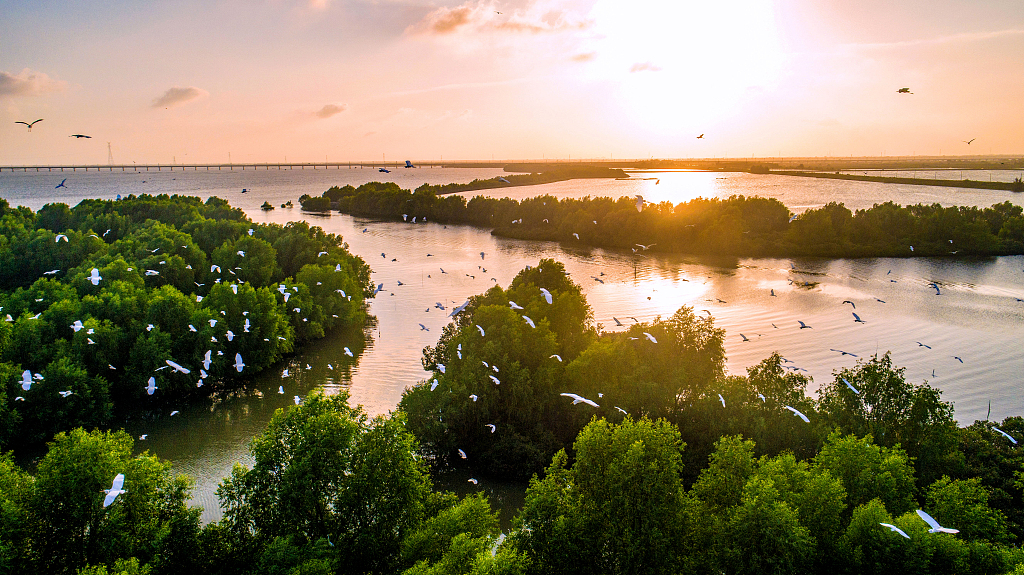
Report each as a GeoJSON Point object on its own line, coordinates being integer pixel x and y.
{"type": "Point", "coordinates": [61, 184]}
{"type": "Point", "coordinates": [639, 203]}
{"type": "Point", "coordinates": [530, 321]}
{"type": "Point", "coordinates": [700, 137]}
{"type": "Point", "coordinates": [177, 367]}
{"type": "Point", "coordinates": [116, 488]}
{"type": "Point", "coordinates": [481, 330]}
{"type": "Point", "coordinates": [1004, 434]}
{"type": "Point", "coordinates": [896, 529]}
{"type": "Point", "coordinates": [547, 295]}
{"type": "Point", "coordinates": [30, 124]}
{"type": "Point", "coordinates": [803, 325]}
{"type": "Point", "coordinates": [238, 362]}
{"type": "Point", "coordinates": [579, 399]}
{"type": "Point", "coordinates": [935, 527]}
{"type": "Point", "coordinates": [79, 136]}
{"type": "Point", "coordinates": [348, 352]}
{"type": "Point", "coordinates": [856, 319]}
{"type": "Point", "coordinates": [650, 337]}
{"type": "Point", "coordinates": [556, 356]}
{"type": "Point", "coordinates": [968, 142]}
{"type": "Point", "coordinates": [722, 399]}
{"type": "Point", "coordinates": [798, 414]}
{"type": "Point", "coordinates": [462, 454]}
{"type": "Point", "coordinates": [904, 91]}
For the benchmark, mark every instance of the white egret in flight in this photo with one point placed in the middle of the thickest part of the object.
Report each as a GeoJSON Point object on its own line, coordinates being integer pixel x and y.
{"type": "Point", "coordinates": [1000, 431]}
{"type": "Point", "coordinates": [896, 529]}
{"type": "Point", "coordinates": [95, 276]}
{"type": "Point", "coordinates": [177, 367]}
{"type": "Point", "coordinates": [238, 362]}
{"type": "Point", "coordinates": [492, 426]}
{"type": "Point", "coordinates": [650, 337]}
{"type": "Point", "coordinates": [935, 527]}
{"type": "Point", "coordinates": [481, 329]}
{"type": "Point", "coordinates": [547, 295]}
{"type": "Point", "coordinates": [579, 399]}
{"type": "Point", "coordinates": [116, 488]}
{"type": "Point", "coordinates": [530, 321]}
{"type": "Point", "coordinates": [798, 414]}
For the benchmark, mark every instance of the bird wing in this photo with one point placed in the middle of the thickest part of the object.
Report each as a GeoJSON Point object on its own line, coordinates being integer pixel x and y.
{"type": "Point", "coordinates": [928, 519]}
{"type": "Point", "coordinates": [118, 482]}
{"type": "Point", "coordinates": [572, 395]}
{"type": "Point", "coordinates": [798, 414]}
{"type": "Point", "coordinates": [896, 529]}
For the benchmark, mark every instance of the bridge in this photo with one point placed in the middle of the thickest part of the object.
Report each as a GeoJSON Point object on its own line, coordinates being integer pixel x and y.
{"type": "Point", "coordinates": [232, 166]}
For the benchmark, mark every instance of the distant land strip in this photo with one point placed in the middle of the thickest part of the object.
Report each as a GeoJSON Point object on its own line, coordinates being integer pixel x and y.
{"type": "Point", "coordinates": [1016, 186]}
{"type": "Point", "coordinates": [737, 226]}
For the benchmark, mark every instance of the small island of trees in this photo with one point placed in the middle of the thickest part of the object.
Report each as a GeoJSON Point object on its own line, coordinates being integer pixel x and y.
{"type": "Point", "coordinates": [97, 299]}
{"type": "Point", "coordinates": [737, 226]}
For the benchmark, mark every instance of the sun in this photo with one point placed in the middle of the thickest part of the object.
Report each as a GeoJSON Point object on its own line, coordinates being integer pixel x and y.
{"type": "Point", "coordinates": [683, 65]}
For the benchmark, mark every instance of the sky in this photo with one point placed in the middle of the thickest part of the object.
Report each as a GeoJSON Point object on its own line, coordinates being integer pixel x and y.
{"type": "Point", "coordinates": [205, 81]}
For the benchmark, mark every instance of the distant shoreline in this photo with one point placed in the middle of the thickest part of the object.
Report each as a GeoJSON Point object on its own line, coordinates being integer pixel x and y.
{"type": "Point", "coordinates": [1006, 186]}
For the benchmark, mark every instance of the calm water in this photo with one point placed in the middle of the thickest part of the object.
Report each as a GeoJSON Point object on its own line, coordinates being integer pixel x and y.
{"type": "Point", "coordinates": [978, 316]}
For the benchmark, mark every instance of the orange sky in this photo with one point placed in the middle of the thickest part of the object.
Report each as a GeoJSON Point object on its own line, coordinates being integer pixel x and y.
{"type": "Point", "coordinates": [357, 80]}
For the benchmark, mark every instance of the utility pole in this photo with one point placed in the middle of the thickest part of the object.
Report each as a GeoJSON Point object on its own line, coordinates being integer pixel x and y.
{"type": "Point", "coordinates": [110, 155]}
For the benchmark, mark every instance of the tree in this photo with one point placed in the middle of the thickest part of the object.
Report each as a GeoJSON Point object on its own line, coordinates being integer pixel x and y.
{"type": "Point", "coordinates": [869, 471]}
{"type": "Point", "coordinates": [894, 412]}
{"type": "Point", "coordinates": [617, 509]}
{"type": "Point", "coordinates": [66, 522]}
{"type": "Point", "coordinates": [322, 470]}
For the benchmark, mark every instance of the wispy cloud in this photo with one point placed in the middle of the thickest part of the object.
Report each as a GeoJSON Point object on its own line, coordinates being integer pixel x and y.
{"type": "Point", "coordinates": [644, 67]}
{"type": "Point", "coordinates": [177, 96]}
{"type": "Point", "coordinates": [584, 57]}
{"type": "Point", "coordinates": [483, 17]}
{"type": "Point", "coordinates": [460, 86]}
{"type": "Point", "coordinates": [330, 110]}
{"type": "Point", "coordinates": [28, 83]}
{"type": "Point", "coordinates": [964, 37]}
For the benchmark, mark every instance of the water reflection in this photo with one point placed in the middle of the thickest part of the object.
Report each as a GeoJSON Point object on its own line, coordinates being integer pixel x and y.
{"type": "Point", "coordinates": [205, 440]}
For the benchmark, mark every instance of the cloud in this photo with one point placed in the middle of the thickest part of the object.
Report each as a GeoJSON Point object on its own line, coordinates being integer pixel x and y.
{"type": "Point", "coordinates": [644, 67]}
{"type": "Point", "coordinates": [584, 57]}
{"type": "Point", "coordinates": [177, 96]}
{"type": "Point", "coordinates": [460, 86]}
{"type": "Point", "coordinates": [482, 17]}
{"type": "Point", "coordinates": [952, 38]}
{"type": "Point", "coordinates": [28, 83]}
{"type": "Point", "coordinates": [330, 110]}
